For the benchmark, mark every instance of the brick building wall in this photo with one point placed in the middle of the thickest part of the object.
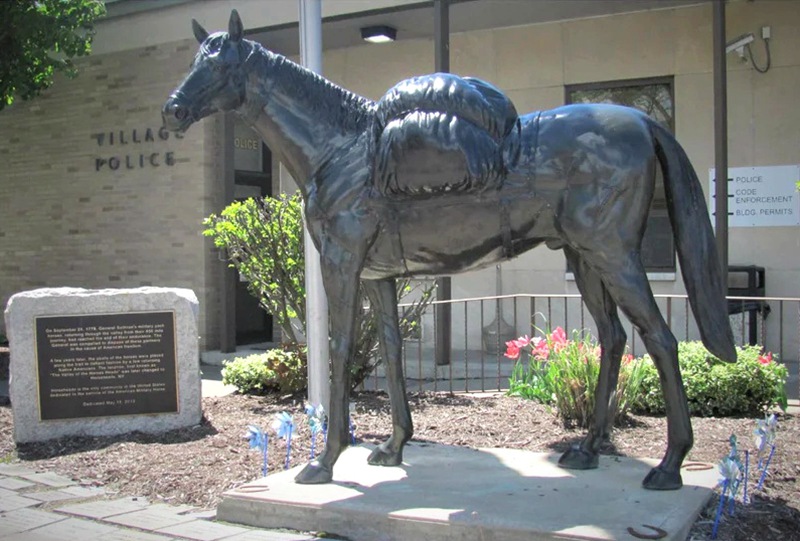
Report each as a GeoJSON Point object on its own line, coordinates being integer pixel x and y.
{"type": "Point", "coordinates": [94, 195]}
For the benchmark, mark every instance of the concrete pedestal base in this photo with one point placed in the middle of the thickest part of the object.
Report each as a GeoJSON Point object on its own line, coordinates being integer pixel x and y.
{"type": "Point", "coordinates": [452, 493]}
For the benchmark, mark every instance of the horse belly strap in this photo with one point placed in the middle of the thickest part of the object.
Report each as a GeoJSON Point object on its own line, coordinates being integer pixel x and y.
{"type": "Point", "coordinates": [505, 230]}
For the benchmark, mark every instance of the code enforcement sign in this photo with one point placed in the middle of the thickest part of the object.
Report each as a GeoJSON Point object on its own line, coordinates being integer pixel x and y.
{"type": "Point", "coordinates": [760, 196]}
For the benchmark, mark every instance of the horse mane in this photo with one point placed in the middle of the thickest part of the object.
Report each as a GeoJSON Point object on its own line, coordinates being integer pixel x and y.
{"type": "Point", "coordinates": [324, 98]}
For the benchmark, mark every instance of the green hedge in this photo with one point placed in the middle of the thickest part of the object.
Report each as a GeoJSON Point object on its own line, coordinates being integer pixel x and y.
{"type": "Point", "coordinates": [282, 370]}
{"type": "Point", "coordinates": [750, 386]}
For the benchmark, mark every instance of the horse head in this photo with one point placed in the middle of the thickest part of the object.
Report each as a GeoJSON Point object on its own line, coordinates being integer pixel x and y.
{"type": "Point", "coordinates": [216, 80]}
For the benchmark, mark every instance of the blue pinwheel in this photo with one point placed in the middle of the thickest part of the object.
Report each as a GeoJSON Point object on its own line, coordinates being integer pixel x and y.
{"type": "Point", "coordinates": [316, 422]}
{"type": "Point", "coordinates": [732, 472]}
{"type": "Point", "coordinates": [284, 427]}
{"type": "Point", "coordinates": [729, 469]}
{"type": "Point", "coordinates": [735, 482]}
{"type": "Point", "coordinates": [765, 433]}
{"type": "Point", "coordinates": [258, 440]}
{"type": "Point", "coordinates": [352, 425]}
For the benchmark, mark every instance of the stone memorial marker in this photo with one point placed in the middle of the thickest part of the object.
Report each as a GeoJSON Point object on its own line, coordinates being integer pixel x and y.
{"type": "Point", "coordinates": [103, 362]}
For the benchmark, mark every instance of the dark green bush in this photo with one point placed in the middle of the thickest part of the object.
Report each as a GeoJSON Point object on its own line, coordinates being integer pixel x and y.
{"type": "Point", "coordinates": [750, 386]}
{"type": "Point", "coordinates": [282, 370]}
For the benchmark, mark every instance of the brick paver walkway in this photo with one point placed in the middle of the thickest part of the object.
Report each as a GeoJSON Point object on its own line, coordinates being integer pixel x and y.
{"type": "Point", "coordinates": [43, 506]}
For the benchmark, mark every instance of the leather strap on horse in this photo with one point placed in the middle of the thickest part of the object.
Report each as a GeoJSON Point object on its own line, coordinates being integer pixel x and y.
{"type": "Point", "coordinates": [505, 230]}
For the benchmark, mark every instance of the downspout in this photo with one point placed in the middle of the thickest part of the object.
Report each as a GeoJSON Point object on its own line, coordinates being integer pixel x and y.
{"type": "Point", "coordinates": [720, 136]}
{"type": "Point", "coordinates": [442, 312]}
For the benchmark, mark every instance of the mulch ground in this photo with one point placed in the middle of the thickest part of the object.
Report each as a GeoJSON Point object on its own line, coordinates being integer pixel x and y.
{"type": "Point", "coordinates": [195, 465]}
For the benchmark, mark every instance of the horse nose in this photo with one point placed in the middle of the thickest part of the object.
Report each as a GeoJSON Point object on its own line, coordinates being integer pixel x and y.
{"type": "Point", "coordinates": [176, 111]}
{"type": "Point", "coordinates": [175, 115]}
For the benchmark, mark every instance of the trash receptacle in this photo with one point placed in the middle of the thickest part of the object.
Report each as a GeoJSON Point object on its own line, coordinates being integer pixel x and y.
{"type": "Point", "coordinates": [748, 281]}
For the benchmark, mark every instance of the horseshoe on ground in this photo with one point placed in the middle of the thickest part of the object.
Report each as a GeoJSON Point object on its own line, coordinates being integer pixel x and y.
{"type": "Point", "coordinates": [252, 488]}
{"type": "Point", "coordinates": [697, 466]}
{"type": "Point", "coordinates": [660, 534]}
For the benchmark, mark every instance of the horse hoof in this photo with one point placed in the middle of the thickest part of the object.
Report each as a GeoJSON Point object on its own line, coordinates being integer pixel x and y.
{"type": "Point", "coordinates": [384, 457]}
{"type": "Point", "coordinates": [578, 459]}
{"type": "Point", "coordinates": [314, 474]}
{"type": "Point", "coordinates": [660, 479]}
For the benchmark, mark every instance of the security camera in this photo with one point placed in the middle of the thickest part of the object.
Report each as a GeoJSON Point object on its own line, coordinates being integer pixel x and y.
{"type": "Point", "coordinates": [737, 44]}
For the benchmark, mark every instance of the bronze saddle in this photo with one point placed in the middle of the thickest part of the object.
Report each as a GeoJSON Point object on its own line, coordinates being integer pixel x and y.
{"type": "Point", "coordinates": [441, 133]}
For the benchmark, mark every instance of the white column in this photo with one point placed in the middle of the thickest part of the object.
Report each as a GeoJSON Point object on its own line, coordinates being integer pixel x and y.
{"type": "Point", "coordinates": [316, 302]}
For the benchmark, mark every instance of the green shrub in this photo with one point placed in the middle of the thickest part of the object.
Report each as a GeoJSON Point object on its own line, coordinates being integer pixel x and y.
{"type": "Point", "coordinates": [282, 370]}
{"type": "Point", "coordinates": [563, 373]}
{"type": "Point", "coordinates": [263, 239]}
{"type": "Point", "coordinates": [748, 387]}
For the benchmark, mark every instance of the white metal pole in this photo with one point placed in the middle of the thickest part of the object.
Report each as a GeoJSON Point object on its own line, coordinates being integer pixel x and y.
{"type": "Point", "coordinates": [316, 302]}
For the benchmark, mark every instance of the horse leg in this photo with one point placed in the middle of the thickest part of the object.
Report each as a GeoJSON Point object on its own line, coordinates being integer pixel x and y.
{"type": "Point", "coordinates": [627, 283]}
{"type": "Point", "coordinates": [612, 344]}
{"type": "Point", "coordinates": [383, 298]}
{"type": "Point", "coordinates": [340, 274]}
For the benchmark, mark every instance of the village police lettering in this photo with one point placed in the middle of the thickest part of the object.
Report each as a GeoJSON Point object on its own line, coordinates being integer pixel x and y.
{"type": "Point", "coordinates": [138, 159]}
{"type": "Point", "coordinates": [246, 143]}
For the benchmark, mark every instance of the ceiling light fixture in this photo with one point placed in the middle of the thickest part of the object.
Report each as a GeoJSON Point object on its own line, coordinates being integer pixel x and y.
{"type": "Point", "coordinates": [378, 34]}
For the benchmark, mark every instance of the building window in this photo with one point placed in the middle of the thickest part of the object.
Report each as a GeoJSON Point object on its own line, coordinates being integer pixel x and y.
{"type": "Point", "coordinates": [655, 98]}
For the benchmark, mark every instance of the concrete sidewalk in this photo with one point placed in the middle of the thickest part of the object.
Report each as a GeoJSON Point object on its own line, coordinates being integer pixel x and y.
{"type": "Point", "coordinates": [212, 381]}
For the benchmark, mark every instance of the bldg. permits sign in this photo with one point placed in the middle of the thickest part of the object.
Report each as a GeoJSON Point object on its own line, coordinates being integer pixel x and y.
{"type": "Point", "coordinates": [760, 196]}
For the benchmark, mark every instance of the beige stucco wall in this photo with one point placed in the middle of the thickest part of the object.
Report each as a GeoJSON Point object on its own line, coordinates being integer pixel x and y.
{"type": "Point", "coordinates": [67, 223]}
{"type": "Point", "coordinates": [172, 22]}
{"type": "Point", "coordinates": [533, 63]}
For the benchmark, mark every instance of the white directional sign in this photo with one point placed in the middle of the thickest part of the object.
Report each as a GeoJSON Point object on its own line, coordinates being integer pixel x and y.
{"type": "Point", "coordinates": [760, 196]}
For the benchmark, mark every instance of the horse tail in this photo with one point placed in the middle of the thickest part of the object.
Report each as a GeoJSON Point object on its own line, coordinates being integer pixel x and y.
{"type": "Point", "coordinates": [697, 250]}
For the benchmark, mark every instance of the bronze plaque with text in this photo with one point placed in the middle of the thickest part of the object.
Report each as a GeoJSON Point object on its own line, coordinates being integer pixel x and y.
{"type": "Point", "coordinates": [101, 365]}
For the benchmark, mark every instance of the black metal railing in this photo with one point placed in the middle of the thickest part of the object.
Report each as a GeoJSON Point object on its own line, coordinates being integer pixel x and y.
{"type": "Point", "coordinates": [477, 366]}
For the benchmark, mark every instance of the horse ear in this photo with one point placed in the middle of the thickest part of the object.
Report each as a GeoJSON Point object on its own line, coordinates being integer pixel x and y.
{"type": "Point", "coordinates": [235, 29]}
{"type": "Point", "coordinates": [199, 32]}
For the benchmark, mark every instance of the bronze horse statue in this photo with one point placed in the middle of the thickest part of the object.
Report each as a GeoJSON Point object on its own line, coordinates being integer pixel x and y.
{"type": "Point", "coordinates": [442, 176]}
